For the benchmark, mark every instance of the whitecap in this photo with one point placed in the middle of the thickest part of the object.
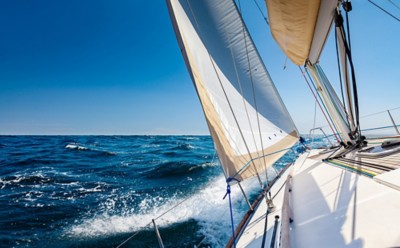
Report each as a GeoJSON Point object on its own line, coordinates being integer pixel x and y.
{"type": "Point", "coordinates": [75, 146]}
{"type": "Point", "coordinates": [206, 207]}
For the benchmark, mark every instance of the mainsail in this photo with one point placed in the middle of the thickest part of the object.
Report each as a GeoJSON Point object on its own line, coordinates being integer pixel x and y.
{"type": "Point", "coordinates": [250, 126]}
{"type": "Point", "coordinates": [301, 29]}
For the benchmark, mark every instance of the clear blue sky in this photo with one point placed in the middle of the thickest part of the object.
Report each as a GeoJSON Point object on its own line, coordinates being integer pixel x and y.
{"type": "Point", "coordinates": [114, 67]}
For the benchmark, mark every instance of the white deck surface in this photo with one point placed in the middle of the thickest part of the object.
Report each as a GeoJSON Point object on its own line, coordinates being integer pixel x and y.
{"type": "Point", "coordinates": [332, 207]}
{"type": "Point", "coordinates": [391, 179]}
{"type": "Point", "coordinates": [253, 234]}
{"type": "Point", "coordinates": [337, 208]}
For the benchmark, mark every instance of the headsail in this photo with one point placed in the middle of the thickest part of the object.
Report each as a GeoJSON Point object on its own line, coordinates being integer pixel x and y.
{"type": "Point", "coordinates": [244, 112]}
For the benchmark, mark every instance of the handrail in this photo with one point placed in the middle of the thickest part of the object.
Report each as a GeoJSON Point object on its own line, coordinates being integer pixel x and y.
{"type": "Point", "coordinates": [326, 137]}
{"type": "Point", "coordinates": [394, 125]}
{"type": "Point", "coordinates": [253, 159]}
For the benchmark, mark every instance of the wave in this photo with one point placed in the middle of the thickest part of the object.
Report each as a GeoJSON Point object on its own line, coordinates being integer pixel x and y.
{"type": "Point", "coordinates": [76, 146]}
{"type": "Point", "coordinates": [206, 207]}
{"type": "Point", "coordinates": [185, 146]}
{"type": "Point", "coordinates": [20, 180]}
{"type": "Point", "coordinates": [176, 169]}
{"type": "Point", "coordinates": [33, 161]}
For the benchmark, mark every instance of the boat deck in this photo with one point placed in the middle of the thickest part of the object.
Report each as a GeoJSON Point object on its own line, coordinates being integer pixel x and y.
{"type": "Point", "coordinates": [330, 207]}
{"type": "Point", "coordinates": [339, 208]}
{"type": "Point", "coordinates": [370, 166]}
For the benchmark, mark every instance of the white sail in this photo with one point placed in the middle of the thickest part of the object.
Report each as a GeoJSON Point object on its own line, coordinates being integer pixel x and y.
{"type": "Point", "coordinates": [244, 112]}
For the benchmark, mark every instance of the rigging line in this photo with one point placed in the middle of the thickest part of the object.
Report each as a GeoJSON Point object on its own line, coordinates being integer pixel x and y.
{"type": "Point", "coordinates": [379, 7]}
{"type": "Point", "coordinates": [226, 96]}
{"type": "Point", "coordinates": [366, 164]}
{"type": "Point", "coordinates": [315, 119]}
{"type": "Point", "coordinates": [262, 13]}
{"type": "Point", "coordinates": [385, 111]}
{"type": "Point", "coordinates": [244, 102]}
{"type": "Point", "coordinates": [249, 162]}
{"type": "Point", "coordinates": [133, 235]}
{"type": "Point", "coordinates": [158, 217]}
{"type": "Point", "coordinates": [228, 191]}
{"type": "Point", "coordinates": [397, 6]}
{"type": "Point", "coordinates": [341, 112]}
{"type": "Point", "coordinates": [242, 160]}
{"type": "Point", "coordinates": [254, 96]}
{"type": "Point", "coordinates": [323, 104]}
{"type": "Point", "coordinates": [240, 85]}
{"type": "Point", "coordinates": [348, 23]}
{"type": "Point", "coordinates": [316, 99]}
{"type": "Point", "coordinates": [169, 210]}
{"type": "Point", "coordinates": [353, 79]}
{"type": "Point", "coordinates": [347, 10]}
{"type": "Point", "coordinates": [339, 70]}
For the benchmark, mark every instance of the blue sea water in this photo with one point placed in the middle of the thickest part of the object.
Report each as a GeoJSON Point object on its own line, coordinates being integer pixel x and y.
{"type": "Point", "coordinates": [97, 191]}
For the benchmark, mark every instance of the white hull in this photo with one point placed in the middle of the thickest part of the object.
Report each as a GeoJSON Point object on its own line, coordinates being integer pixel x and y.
{"type": "Point", "coordinates": [330, 207]}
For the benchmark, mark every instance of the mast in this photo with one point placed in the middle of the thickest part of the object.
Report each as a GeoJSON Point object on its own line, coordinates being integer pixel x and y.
{"type": "Point", "coordinates": [301, 29]}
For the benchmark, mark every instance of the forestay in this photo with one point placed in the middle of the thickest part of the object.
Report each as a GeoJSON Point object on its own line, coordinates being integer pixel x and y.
{"type": "Point", "coordinates": [244, 112]}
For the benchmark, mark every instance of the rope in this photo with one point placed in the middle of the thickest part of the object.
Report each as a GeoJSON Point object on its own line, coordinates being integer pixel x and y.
{"type": "Point", "coordinates": [161, 215]}
{"type": "Point", "coordinates": [262, 13]}
{"type": "Point", "coordinates": [353, 76]}
{"type": "Point", "coordinates": [385, 111]}
{"type": "Point", "coordinates": [158, 217]}
{"type": "Point", "coordinates": [255, 102]}
{"type": "Point", "coordinates": [397, 6]}
{"type": "Point", "coordinates": [316, 99]}
{"type": "Point", "coordinates": [228, 191]}
{"type": "Point", "coordinates": [331, 93]}
{"type": "Point", "coordinates": [348, 22]}
{"type": "Point", "coordinates": [126, 240]}
{"type": "Point", "coordinates": [339, 70]}
{"type": "Point", "coordinates": [379, 7]}
{"type": "Point", "coordinates": [252, 84]}
{"type": "Point", "coordinates": [197, 24]}
{"type": "Point", "coordinates": [225, 94]}
{"type": "Point", "coordinates": [248, 163]}
{"type": "Point", "coordinates": [315, 119]}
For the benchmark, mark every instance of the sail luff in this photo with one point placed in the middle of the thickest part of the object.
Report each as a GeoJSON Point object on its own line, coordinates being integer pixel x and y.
{"type": "Point", "coordinates": [209, 33]}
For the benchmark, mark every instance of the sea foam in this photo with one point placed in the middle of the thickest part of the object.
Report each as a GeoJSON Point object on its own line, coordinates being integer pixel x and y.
{"type": "Point", "coordinates": [206, 206]}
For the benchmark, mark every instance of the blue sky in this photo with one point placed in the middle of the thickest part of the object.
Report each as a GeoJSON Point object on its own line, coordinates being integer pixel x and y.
{"type": "Point", "coordinates": [114, 67]}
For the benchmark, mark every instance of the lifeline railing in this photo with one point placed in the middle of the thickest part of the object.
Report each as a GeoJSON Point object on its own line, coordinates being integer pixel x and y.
{"type": "Point", "coordinates": [366, 131]}
{"type": "Point", "coordinates": [265, 190]}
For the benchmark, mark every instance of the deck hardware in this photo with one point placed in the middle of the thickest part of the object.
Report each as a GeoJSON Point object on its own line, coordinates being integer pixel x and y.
{"type": "Point", "coordinates": [273, 239]}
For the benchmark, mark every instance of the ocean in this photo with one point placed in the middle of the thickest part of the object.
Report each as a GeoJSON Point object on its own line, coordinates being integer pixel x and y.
{"type": "Point", "coordinates": [98, 191]}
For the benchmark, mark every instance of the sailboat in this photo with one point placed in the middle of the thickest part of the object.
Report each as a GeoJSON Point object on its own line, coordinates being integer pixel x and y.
{"type": "Point", "coordinates": [346, 195]}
